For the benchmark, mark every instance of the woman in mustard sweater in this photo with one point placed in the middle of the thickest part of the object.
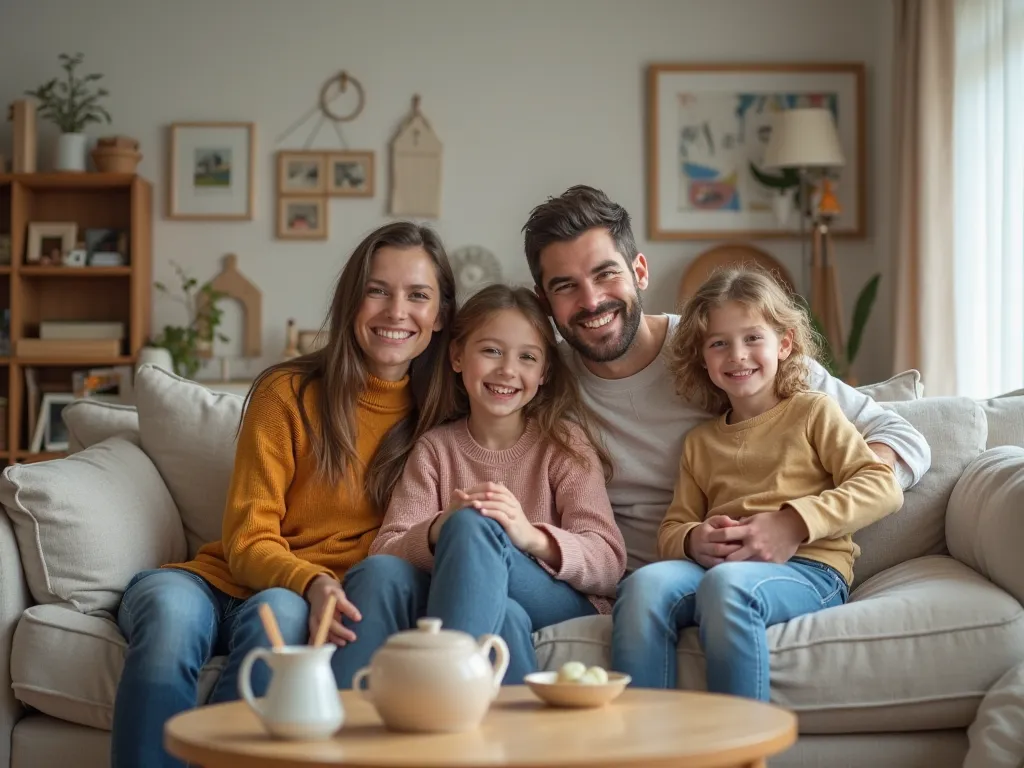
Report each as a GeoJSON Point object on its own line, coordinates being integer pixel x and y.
{"type": "Point", "coordinates": [322, 441]}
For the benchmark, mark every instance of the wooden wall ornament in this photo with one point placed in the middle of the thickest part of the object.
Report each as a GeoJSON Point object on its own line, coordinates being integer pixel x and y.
{"type": "Point", "coordinates": [234, 285]}
{"type": "Point", "coordinates": [416, 153]}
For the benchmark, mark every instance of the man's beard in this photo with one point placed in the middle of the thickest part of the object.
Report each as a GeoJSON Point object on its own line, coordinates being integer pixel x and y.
{"type": "Point", "coordinates": [612, 349]}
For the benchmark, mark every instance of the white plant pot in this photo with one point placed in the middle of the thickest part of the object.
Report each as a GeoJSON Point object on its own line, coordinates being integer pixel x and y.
{"type": "Point", "coordinates": [71, 152]}
{"type": "Point", "coordinates": [783, 205]}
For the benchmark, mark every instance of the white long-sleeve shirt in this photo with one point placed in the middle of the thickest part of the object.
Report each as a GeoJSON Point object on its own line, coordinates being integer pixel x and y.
{"type": "Point", "coordinates": [644, 422]}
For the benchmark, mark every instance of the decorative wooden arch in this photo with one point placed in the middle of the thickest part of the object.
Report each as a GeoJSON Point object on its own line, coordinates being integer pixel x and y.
{"type": "Point", "coordinates": [728, 255]}
{"type": "Point", "coordinates": [233, 284]}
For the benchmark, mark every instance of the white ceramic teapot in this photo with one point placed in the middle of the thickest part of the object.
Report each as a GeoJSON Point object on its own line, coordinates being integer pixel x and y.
{"type": "Point", "coordinates": [302, 699]}
{"type": "Point", "coordinates": [433, 680]}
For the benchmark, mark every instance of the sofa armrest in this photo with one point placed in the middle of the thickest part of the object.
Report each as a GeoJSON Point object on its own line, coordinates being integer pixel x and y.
{"type": "Point", "coordinates": [985, 518]}
{"type": "Point", "coordinates": [14, 599]}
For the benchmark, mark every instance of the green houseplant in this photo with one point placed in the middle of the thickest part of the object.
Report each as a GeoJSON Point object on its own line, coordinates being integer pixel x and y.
{"type": "Point", "coordinates": [72, 104]}
{"type": "Point", "coordinates": [186, 343]}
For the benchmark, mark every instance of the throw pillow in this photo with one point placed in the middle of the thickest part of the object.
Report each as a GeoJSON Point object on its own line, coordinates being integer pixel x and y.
{"type": "Point", "coordinates": [955, 429]}
{"type": "Point", "coordinates": [901, 387]}
{"type": "Point", "coordinates": [189, 433]}
{"type": "Point", "coordinates": [1005, 414]}
{"type": "Point", "coordinates": [92, 421]}
{"type": "Point", "coordinates": [87, 523]}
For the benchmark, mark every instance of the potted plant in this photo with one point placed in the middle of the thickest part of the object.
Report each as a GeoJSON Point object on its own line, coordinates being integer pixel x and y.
{"type": "Point", "coordinates": [71, 104]}
{"type": "Point", "coordinates": [839, 362]}
{"type": "Point", "coordinates": [187, 343]}
{"type": "Point", "coordinates": [786, 187]}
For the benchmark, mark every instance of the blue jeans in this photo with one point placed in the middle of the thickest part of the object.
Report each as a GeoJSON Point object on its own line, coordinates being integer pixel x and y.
{"type": "Point", "coordinates": [733, 604]}
{"type": "Point", "coordinates": [481, 584]}
{"type": "Point", "coordinates": [174, 622]}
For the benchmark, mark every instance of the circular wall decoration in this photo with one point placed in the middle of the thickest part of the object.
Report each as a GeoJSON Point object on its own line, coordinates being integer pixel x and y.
{"type": "Point", "coordinates": [474, 267]}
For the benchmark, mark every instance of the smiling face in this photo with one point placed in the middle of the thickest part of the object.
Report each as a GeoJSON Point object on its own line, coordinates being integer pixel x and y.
{"type": "Point", "coordinates": [502, 363]}
{"type": "Point", "coordinates": [399, 311]}
{"type": "Point", "coordinates": [742, 354]}
{"type": "Point", "coordinates": [593, 294]}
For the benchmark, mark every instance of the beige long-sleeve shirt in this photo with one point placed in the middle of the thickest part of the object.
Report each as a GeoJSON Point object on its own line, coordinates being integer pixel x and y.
{"type": "Point", "coordinates": [803, 453]}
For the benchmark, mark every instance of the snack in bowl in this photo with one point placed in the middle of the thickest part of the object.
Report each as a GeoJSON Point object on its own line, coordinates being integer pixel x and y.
{"type": "Point", "coordinates": [577, 685]}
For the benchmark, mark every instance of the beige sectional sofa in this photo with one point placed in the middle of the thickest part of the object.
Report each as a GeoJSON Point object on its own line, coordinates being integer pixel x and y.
{"type": "Point", "coordinates": [923, 667]}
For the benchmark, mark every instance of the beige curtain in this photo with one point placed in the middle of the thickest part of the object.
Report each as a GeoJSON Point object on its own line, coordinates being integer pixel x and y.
{"type": "Point", "coordinates": [922, 141]}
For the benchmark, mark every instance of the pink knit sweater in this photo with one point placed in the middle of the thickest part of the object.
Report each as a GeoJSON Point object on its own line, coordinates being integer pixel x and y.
{"type": "Point", "coordinates": [568, 501]}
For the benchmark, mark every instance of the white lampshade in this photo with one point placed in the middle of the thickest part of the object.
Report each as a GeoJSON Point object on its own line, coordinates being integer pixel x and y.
{"type": "Point", "coordinates": [804, 138]}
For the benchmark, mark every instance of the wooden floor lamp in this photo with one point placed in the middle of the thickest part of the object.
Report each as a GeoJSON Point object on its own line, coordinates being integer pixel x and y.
{"type": "Point", "coordinates": [806, 139]}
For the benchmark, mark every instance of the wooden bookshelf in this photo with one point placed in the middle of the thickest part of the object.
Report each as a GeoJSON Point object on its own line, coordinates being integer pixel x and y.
{"type": "Point", "coordinates": [34, 293]}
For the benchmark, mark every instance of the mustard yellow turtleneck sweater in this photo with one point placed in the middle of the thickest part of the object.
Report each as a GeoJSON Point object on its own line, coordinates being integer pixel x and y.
{"type": "Point", "coordinates": [283, 524]}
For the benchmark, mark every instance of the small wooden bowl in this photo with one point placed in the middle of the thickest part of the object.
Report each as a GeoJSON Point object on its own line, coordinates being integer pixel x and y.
{"type": "Point", "coordinates": [546, 687]}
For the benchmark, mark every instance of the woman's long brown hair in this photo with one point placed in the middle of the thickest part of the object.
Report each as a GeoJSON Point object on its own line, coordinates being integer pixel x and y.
{"type": "Point", "coordinates": [558, 399]}
{"type": "Point", "coordinates": [340, 370]}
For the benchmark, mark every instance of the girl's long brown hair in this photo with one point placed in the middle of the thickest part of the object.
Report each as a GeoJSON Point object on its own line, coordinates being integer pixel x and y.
{"type": "Point", "coordinates": [340, 370]}
{"type": "Point", "coordinates": [760, 292]}
{"type": "Point", "coordinates": [558, 400]}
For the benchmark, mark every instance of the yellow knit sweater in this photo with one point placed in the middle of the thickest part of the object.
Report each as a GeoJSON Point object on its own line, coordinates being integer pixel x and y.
{"type": "Point", "coordinates": [283, 524]}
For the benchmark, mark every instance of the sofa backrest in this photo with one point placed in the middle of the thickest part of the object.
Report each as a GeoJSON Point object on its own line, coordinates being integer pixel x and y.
{"type": "Point", "coordinates": [189, 431]}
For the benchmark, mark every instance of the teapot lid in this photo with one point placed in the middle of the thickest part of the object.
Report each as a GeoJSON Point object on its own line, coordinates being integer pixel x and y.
{"type": "Point", "coordinates": [428, 636]}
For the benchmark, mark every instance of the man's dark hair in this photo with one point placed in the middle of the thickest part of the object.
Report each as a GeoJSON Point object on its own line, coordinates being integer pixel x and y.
{"type": "Point", "coordinates": [566, 217]}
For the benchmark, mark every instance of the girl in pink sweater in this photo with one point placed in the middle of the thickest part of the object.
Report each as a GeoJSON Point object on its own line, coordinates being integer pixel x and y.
{"type": "Point", "coordinates": [501, 522]}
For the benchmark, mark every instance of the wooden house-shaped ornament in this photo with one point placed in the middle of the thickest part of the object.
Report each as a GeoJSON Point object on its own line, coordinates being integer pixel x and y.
{"type": "Point", "coordinates": [416, 167]}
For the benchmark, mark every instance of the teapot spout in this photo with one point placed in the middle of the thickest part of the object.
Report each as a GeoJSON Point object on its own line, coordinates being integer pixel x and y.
{"type": "Point", "coordinates": [501, 656]}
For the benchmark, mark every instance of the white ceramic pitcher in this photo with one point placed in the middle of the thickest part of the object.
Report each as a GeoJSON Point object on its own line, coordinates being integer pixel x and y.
{"type": "Point", "coordinates": [302, 699]}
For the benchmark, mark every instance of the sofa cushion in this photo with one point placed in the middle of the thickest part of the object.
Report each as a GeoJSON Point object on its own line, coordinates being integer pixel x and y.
{"type": "Point", "coordinates": [902, 386]}
{"type": "Point", "coordinates": [985, 521]}
{"type": "Point", "coordinates": [1005, 415]}
{"type": "Point", "coordinates": [997, 733]}
{"type": "Point", "coordinates": [67, 665]}
{"type": "Point", "coordinates": [955, 429]}
{"type": "Point", "coordinates": [87, 523]}
{"type": "Point", "coordinates": [189, 433]}
{"type": "Point", "coordinates": [91, 421]}
{"type": "Point", "coordinates": [916, 648]}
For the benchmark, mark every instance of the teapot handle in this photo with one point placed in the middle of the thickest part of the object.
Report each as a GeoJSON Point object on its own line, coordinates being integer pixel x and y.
{"type": "Point", "coordinates": [488, 642]}
{"type": "Point", "coordinates": [357, 683]}
{"type": "Point", "coordinates": [244, 684]}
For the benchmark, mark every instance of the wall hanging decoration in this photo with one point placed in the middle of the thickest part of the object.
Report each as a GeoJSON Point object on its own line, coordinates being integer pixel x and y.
{"type": "Point", "coordinates": [307, 177]}
{"type": "Point", "coordinates": [416, 154]}
{"type": "Point", "coordinates": [211, 173]}
{"type": "Point", "coordinates": [708, 128]}
{"type": "Point", "coordinates": [474, 267]}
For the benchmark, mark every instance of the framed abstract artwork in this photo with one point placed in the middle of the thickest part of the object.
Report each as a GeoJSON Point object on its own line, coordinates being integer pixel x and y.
{"type": "Point", "coordinates": [707, 129]}
{"type": "Point", "coordinates": [211, 171]}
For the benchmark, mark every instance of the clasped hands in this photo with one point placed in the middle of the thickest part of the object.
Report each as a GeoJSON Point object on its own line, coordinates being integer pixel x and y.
{"type": "Point", "coordinates": [495, 501]}
{"type": "Point", "coordinates": [767, 537]}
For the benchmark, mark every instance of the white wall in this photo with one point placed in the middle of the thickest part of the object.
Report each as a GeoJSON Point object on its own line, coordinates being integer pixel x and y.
{"type": "Point", "coordinates": [529, 97]}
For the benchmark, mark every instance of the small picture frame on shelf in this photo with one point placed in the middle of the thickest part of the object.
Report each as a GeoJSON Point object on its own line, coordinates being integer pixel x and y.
{"type": "Point", "coordinates": [211, 171]}
{"type": "Point", "coordinates": [51, 434]}
{"type": "Point", "coordinates": [106, 247]}
{"type": "Point", "coordinates": [301, 172]}
{"type": "Point", "coordinates": [350, 174]}
{"type": "Point", "coordinates": [48, 241]}
{"type": "Point", "coordinates": [302, 218]}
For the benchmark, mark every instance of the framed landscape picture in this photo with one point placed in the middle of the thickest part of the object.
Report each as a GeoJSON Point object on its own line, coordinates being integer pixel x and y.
{"type": "Point", "coordinates": [707, 124]}
{"type": "Point", "coordinates": [211, 171]}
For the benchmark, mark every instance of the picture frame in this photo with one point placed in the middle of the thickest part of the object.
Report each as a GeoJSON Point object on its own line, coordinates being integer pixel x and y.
{"type": "Point", "coordinates": [301, 172]}
{"type": "Point", "coordinates": [707, 122]}
{"type": "Point", "coordinates": [51, 434]}
{"type": "Point", "coordinates": [211, 171]}
{"type": "Point", "coordinates": [43, 237]}
{"type": "Point", "coordinates": [351, 174]}
{"type": "Point", "coordinates": [301, 218]}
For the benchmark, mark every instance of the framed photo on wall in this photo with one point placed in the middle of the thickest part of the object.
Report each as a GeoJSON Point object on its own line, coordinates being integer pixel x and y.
{"type": "Point", "coordinates": [350, 174]}
{"type": "Point", "coordinates": [211, 173]}
{"type": "Point", "coordinates": [708, 123]}
{"type": "Point", "coordinates": [302, 218]}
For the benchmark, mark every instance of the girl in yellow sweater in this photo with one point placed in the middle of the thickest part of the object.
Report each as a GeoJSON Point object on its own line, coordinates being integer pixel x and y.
{"type": "Point", "coordinates": [323, 439]}
{"type": "Point", "coordinates": [770, 490]}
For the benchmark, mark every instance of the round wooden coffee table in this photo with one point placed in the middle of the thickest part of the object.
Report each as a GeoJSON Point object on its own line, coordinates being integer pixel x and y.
{"type": "Point", "coordinates": [640, 728]}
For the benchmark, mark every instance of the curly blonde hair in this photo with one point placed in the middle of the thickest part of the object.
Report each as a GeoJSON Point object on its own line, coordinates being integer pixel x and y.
{"type": "Point", "coordinates": [760, 292]}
